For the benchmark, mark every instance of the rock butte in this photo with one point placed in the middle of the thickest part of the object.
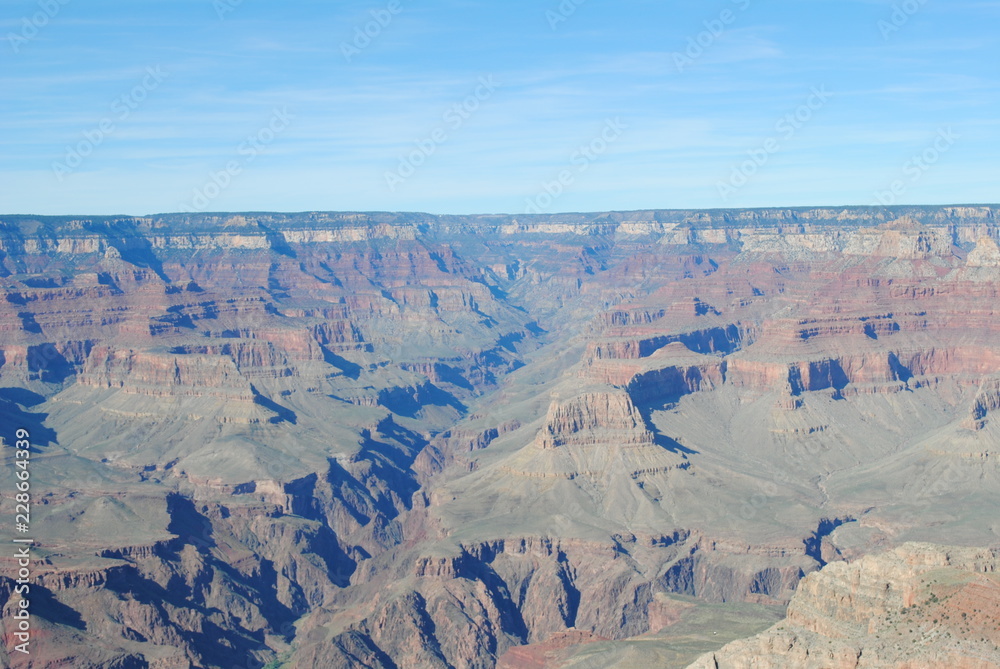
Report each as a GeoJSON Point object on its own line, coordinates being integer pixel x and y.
{"type": "Point", "coordinates": [401, 440]}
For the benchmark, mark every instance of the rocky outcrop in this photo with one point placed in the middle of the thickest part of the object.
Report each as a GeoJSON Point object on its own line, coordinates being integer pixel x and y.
{"type": "Point", "coordinates": [986, 253]}
{"type": "Point", "coordinates": [987, 401]}
{"type": "Point", "coordinates": [918, 606]}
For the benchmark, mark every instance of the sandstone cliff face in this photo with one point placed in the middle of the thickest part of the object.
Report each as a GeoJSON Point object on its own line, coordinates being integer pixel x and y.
{"type": "Point", "coordinates": [401, 440]}
{"type": "Point", "coordinates": [593, 412]}
{"type": "Point", "coordinates": [986, 253]}
{"type": "Point", "coordinates": [986, 403]}
{"type": "Point", "coordinates": [918, 606]}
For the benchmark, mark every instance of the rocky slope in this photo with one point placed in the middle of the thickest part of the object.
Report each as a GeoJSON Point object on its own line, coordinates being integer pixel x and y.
{"type": "Point", "coordinates": [392, 440]}
{"type": "Point", "coordinates": [918, 606]}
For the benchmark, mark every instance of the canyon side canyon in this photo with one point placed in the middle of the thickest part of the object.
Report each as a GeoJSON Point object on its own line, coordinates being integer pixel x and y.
{"type": "Point", "coordinates": [733, 438]}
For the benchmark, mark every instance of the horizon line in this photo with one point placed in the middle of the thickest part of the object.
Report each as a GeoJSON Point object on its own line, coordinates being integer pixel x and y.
{"type": "Point", "coordinates": [506, 214]}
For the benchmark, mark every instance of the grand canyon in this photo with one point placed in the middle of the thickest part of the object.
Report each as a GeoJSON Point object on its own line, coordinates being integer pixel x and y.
{"type": "Point", "coordinates": [721, 438]}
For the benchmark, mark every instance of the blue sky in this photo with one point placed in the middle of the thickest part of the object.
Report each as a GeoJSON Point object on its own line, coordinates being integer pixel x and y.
{"type": "Point", "coordinates": [228, 105]}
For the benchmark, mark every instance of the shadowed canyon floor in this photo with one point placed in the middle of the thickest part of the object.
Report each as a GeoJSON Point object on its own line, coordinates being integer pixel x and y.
{"type": "Point", "coordinates": [401, 440]}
